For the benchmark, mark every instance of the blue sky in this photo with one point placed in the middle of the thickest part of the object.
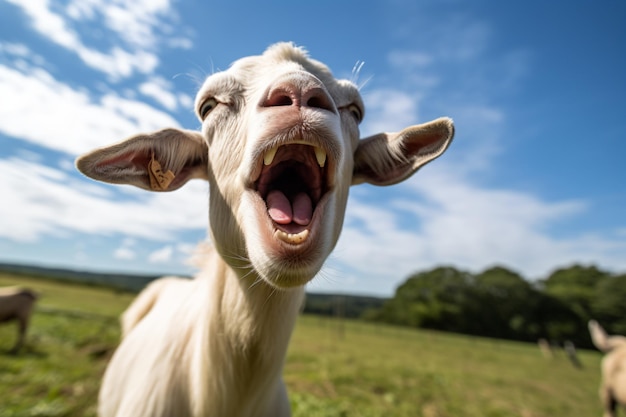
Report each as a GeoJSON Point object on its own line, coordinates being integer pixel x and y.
{"type": "Point", "coordinates": [535, 179]}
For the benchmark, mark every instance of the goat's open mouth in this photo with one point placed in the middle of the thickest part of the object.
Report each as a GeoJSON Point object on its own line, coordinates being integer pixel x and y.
{"type": "Point", "coordinates": [292, 182]}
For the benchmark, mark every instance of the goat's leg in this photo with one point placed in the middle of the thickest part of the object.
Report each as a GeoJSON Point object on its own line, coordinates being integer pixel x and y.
{"type": "Point", "coordinates": [280, 407]}
{"type": "Point", "coordinates": [608, 402]}
{"type": "Point", "coordinates": [22, 325]}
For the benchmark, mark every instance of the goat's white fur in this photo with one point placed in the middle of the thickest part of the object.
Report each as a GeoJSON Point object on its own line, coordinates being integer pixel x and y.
{"type": "Point", "coordinates": [215, 345]}
{"type": "Point", "coordinates": [613, 386]}
{"type": "Point", "coordinates": [146, 300]}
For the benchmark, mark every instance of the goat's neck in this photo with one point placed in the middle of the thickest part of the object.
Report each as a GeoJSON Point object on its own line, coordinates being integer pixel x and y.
{"type": "Point", "coordinates": [258, 310]}
{"type": "Point", "coordinates": [248, 334]}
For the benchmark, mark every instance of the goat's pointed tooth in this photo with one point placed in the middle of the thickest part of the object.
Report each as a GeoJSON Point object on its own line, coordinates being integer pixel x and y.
{"type": "Point", "coordinates": [320, 155]}
{"type": "Point", "coordinates": [269, 156]}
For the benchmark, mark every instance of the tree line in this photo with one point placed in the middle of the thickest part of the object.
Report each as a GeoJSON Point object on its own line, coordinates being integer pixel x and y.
{"type": "Point", "coordinates": [500, 303]}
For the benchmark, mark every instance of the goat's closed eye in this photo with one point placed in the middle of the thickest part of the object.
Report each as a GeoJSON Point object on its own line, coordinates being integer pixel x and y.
{"type": "Point", "coordinates": [207, 106]}
{"type": "Point", "coordinates": [356, 112]}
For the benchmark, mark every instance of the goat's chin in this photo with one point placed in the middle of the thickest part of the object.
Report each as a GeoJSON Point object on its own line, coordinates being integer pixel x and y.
{"type": "Point", "coordinates": [284, 280]}
{"type": "Point", "coordinates": [284, 271]}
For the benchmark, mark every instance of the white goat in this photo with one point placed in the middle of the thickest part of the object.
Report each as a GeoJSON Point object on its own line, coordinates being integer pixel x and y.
{"type": "Point", "coordinates": [613, 386]}
{"type": "Point", "coordinates": [280, 148]}
{"type": "Point", "coordinates": [17, 304]}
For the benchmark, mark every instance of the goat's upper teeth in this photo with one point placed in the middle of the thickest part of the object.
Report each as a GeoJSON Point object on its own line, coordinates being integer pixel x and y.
{"type": "Point", "coordinates": [320, 155]}
{"type": "Point", "coordinates": [269, 155]}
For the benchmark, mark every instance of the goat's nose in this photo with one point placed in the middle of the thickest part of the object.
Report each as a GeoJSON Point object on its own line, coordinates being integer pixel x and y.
{"type": "Point", "coordinates": [301, 90]}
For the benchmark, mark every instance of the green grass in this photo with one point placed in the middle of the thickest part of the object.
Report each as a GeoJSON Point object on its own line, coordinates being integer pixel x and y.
{"type": "Point", "coordinates": [386, 371]}
{"type": "Point", "coordinates": [72, 331]}
{"type": "Point", "coordinates": [350, 368]}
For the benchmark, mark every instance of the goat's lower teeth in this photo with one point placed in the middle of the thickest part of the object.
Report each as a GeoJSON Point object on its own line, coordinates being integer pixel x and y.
{"type": "Point", "coordinates": [269, 156]}
{"type": "Point", "coordinates": [320, 155]}
{"type": "Point", "coordinates": [294, 239]}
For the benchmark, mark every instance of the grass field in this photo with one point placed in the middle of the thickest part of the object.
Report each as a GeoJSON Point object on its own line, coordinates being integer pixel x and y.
{"type": "Point", "coordinates": [334, 368]}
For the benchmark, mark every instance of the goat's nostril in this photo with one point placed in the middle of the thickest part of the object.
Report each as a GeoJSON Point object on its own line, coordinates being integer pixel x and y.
{"type": "Point", "coordinates": [314, 102]}
{"type": "Point", "coordinates": [279, 98]}
{"type": "Point", "coordinates": [284, 101]}
{"type": "Point", "coordinates": [320, 101]}
{"type": "Point", "coordinates": [282, 94]}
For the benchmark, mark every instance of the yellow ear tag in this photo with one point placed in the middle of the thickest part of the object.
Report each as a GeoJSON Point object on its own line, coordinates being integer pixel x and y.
{"type": "Point", "coordinates": [159, 180]}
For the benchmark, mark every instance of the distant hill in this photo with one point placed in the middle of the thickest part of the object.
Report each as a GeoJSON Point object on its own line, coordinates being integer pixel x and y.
{"type": "Point", "coordinates": [122, 282]}
{"type": "Point", "coordinates": [339, 305]}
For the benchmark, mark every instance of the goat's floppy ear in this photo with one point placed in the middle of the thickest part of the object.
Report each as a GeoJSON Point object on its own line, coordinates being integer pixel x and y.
{"type": "Point", "coordinates": [160, 161]}
{"type": "Point", "coordinates": [388, 158]}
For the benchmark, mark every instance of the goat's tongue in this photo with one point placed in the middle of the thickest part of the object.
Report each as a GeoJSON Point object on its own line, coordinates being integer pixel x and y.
{"type": "Point", "coordinates": [283, 211]}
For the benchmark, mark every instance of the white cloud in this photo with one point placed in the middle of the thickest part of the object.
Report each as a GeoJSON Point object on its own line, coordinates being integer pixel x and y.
{"type": "Point", "coordinates": [185, 101]}
{"type": "Point", "coordinates": [135, 28]}
{"type": "Point", "coordinates": [42, 201]}
{"type": "Point", "coordinates": [49, 113]}
{"type": "Point", "coordinates": [125, 254]}
{"type": "Point", "coordinates": [160, 90]}
{"type": "Point", "coordinates": [126, 251]}
{"type": "Point", "coordinates": [187, 249]}
{"type": "Point", "coordinates": [182, 43]}
{"type": "Point", "coordinates": [56, 28]}
{"type": "Point", "coordinates": [161, 255]}
{"type": "Point", "coordinates": [442, 219]}
{"type": "Point", "coordinates": [389, 110]}
{"type": "Point", "coordinates": [20, 55]}
{"type": "Point", "coordinates": [475, 226]}
{"type": "Point", "coordinates": [15, 49]}
{"type": "Point", "coordinates": [119, 63]}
